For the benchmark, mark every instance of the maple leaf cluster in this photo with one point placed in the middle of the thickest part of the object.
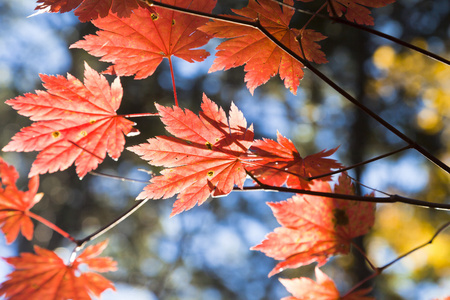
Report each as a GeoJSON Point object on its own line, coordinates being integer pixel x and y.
{"type": "Point", "coordinates": [44, 275]}
{"type": "Point", "coordinates": [208, 154]}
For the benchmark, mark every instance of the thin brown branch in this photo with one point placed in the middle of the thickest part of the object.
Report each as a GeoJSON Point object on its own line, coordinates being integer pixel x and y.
{"type": "Point", "coordinates": [378, 271]}
{"type": "Point", "coordinates": [372, 266]}
{"type": "Point", "coordinates": [366, 186]}
{"type": "Point", "coordinates": [95, 173]}
{"type": "Point", "coordinates": [388, 199]}
{"type": "Point", "coordinates": [360, 164]}
{"type": "Point", "coordinates": [373, 115]}
{"type": "Point", "coordinates": [255, 24]}
{"type": "Point", "coordinates": [313, 16]}
{"type": "Point", "coordinates": [111, 225]}
{"type": "Point", "coordinates": [442, 228]}
{"type": "Point", "coordinates": [398, 41]}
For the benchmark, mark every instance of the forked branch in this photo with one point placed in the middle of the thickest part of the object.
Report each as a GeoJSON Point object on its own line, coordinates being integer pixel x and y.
{"type": "Point", "coordinates": [256, 24]}
{"type": "Point", "coordinates": [368, 30]}
{"type": "Point", "coordinates": [378, 271]}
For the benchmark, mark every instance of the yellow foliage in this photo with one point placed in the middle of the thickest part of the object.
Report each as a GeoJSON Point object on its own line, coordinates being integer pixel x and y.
{"type": "Point", "coordinates": [405, 228]}
{"type": "Point", "coordinates": [419, 77]}
{"type": "Point", "coordinates": [429, 120]}
{"type": "Point", "coordinates": [384, 57]}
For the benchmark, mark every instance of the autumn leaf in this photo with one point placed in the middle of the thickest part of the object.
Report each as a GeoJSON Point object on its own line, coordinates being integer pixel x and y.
{"type": "Point", "coordinates": [204, 158]}
{"type": "Point", "coordinates": [262, 57]}
{"type": "Point", "coordinates": [356, 10]}
{"type": "Point", "coordinates": [314, 228]}
{"type": "Point", "coordinates": [15, 204]}
{"type": "Point", "coordinates": [322, 289]}
{"type": "Point", "coordinates": [75, 123]}
{"type": "Point", "coordinates": [45, 276]}
{"type": "Point", "coordinates": [278, 163]}
{"type": "Point", "coordinates": [90, 9]}
{"type": "Point", "coordinates": [138, 44]}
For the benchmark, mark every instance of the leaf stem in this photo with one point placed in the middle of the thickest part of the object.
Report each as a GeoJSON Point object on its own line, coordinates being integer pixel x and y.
{"type": "Point", "coordinates": [50, 225]}
{"type": "Point", "coordinates": [140, 115]}
{"type": "Point", "coordinates": [312, 17]}
{"type": "Point", "coordinates": [173, 81]}
{"type": "Point", "coordinates": [111, 225]}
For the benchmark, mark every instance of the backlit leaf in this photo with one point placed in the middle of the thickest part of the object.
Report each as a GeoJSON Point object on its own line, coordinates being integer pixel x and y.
{"type": "Point", "coordinates": [138, 44]}
{"type": "Point", "coordinates": [204, 158]}
{"type": "Point", "coordinates": [74, 123]}
{"type": "Point", "coordinates": [314, 228]}
{"type": "Point", "coordinates": [356, 10]}
{"type": "Point", "coordinates": [278, 162]}
{"type": "Point", "coordinates": [15, 204]}
{"type": "Point", "coordinates": [90, 9]}
{"type": "Point", "coordinates": [322, 289]}
{"type": "Point", "coordinates": [262, 57]}
{"type": "Point", "coordinates": [45, 276]}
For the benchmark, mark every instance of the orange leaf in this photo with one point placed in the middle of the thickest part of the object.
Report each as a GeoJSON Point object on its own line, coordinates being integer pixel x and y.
{"type": "Point", "coordinates": [356, 10]}
{"type": "Point", "coordinates": [279, 163]}
{"type": "Point", "coordinates": [138, 44]}
{"type": "Point", "coordinates": [204, 158]}
{"type": "Point", "coordinates": [90, 9]}
{"type": "Point", "coordinates": [76, 123]}
{"type": "Point", "coordinates": [322, 289]}
{"type": "Point", "coordinates": [263, 58]}
{"type": "Point", "coordinates": [314, 228]}
{"type": "Point", "coordinates": [45, 276]}
{"type": "Point", "coordinates": [15, 204]}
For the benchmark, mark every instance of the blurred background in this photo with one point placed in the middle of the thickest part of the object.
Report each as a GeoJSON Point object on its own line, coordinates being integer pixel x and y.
{"type": "Point", "coordinates": [204, 253]}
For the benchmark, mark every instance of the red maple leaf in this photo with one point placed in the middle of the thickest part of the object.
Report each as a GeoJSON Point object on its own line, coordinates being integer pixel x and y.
{"type": "Point", "coordinates": [75, 123]}
{"type": "Point", "coordinates": [205, 156]}
{"type": "Point", "coordinates": [278, 163]}
{"type": "Point", "coordinates": [263, 58]}
{"type": "Point", "coordinates": [138, 44]}
{"type": "Point", "coordinates": [322, 289]}
{"type": "Point", "coordinates": [91, 9]}
{"type": "Point", "coordinates": [314, 228]}
{"type": "Point", "coordinates": [356, 10]}
{"type": "Point", "coordinates": [15, 204]}
{"type": "Point", "coordinates": [45, 276]}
